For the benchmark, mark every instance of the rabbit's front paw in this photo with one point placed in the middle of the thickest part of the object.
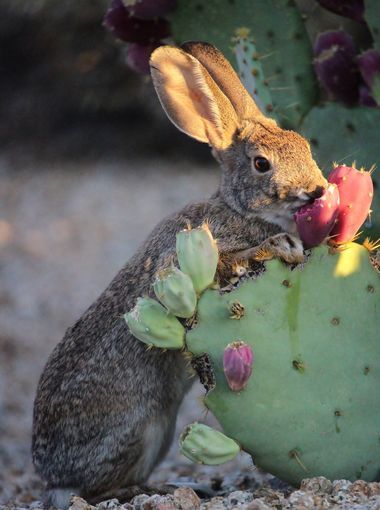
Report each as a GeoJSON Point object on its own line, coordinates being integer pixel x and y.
{"type": "Point", "coordinates": [284, 246]}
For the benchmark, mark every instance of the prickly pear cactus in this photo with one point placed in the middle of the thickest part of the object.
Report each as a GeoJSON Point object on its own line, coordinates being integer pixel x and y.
{"type": "Point", "coordinates": [312, 404]}
{"type": "Point", "coordinates": [284, 54]}
{"type": "Point", "coordinates": [356, 130]}
{"type": "Point", "coordinates": [291, 356]}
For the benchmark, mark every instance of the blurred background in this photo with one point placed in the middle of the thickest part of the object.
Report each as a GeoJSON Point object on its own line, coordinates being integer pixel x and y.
{"type": "Point", "coordinates": [89, 163]}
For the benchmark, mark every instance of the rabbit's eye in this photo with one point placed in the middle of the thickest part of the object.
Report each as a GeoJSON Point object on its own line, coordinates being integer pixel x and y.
{"type": "Point", "coordinates": [261, 164]}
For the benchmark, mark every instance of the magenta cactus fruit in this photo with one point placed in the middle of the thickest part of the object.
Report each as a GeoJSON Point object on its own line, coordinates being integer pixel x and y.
{"type": "Point", "coordinates": [148, 9]}
{"type": "Point", "coordinates": [237, 364]}
{"type": "Point", "coordinates": [356, 193]}
{"type": "Point", "coordinates": [130, 29]}
{"type": "Point", "coordinates": [369, 65]}
{"type": "Point", "coordinates": [314, 221]}
{"type": "Point", "coordinates": [336, 67]}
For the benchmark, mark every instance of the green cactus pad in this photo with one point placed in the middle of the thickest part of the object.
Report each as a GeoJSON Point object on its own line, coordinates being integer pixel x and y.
{"type": "Point", "coordinates": [312, 404]}
{"type": "Point", "coordinates": [283, 46]}
{"type": "Point", "coordinates": [346, 135]}
{"type": "Point", "coordinates": [252, 75]}
{"type": "Point", "coordinates": [204, 445]}
{"type": "Point", "coordinates": [372, 17]}
{"type": "Point", "coordinates": [152, 324]}
{"type": "Point", "coordinates": [176, 292]}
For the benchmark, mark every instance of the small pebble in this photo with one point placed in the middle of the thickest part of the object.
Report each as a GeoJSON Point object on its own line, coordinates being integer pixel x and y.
{"type": "Point", "coordinates": [301, 500]}
{"type": "Point", "coordinates": [316, 485]}
{"type": "Point", "coordinates": [238, 499]}
{"type": "Point", "coordinates": [186, 499]}
{"type": "Point", "coordinates": [139, 500]}
{"type": "Point", "coordinates": [214, 504]}
{"type": "Point", "coordinates": [158, 502]}
{"type": "Point", "coordinates": [108, 504]}
{"type": "Point", "coordinates": [78, 503]}
{"type": "Point", "coordinates": [259, 504]}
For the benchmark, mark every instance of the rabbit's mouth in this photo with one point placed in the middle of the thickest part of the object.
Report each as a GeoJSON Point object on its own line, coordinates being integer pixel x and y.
{"type": "Point", "coordinates": [302, 198]}
{"type": "Point", "coordinates": [297, 204]}
{"type": "Point", "coordinates": [282, 213]}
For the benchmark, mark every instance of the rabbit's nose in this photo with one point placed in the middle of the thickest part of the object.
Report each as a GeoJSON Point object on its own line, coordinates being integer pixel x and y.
{"type": "Point", "coordinates": [316, 193]}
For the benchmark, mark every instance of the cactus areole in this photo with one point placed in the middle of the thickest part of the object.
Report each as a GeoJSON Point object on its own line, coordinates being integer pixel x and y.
{"type": "Point", "coordinates": [312, 404]}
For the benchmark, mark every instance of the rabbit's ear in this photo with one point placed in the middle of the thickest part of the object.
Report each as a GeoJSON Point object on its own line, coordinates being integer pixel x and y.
{"type": "Point", "coordinates": [225, 77]}
{"type": "Point", "coordinates": [191, 98]}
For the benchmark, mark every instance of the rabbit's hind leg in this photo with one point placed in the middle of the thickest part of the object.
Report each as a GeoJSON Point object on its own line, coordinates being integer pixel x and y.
{"type": "Point", "coordinates": [156, 441]}
{"type": "Point", "coordinates": [127, 457]}
{"type": "Point", "coordinates": [284, 246]}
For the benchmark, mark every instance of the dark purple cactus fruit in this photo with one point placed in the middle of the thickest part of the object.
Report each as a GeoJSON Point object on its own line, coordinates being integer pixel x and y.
{"type": "Point", "coordinates": [127, 28]}
{"type": "Point", "coordinates": [353, 9]}
{"type": "Point", "coordinates": [366, 97]}
{"type": "Point", "coordinates": [315, 221]}
{"type": "Point", "coordinates": [336, 67]}
{"type": "Point", "coordinates": [369, 65]}
{"type": "Point", "coordinates": [138, 56]}
{"type": "Point", "coordinates": [329, 38]}
{"type": "Point", "coordinates": [237, 364]}
{"type": "Point", "coordinates": [148, 9]}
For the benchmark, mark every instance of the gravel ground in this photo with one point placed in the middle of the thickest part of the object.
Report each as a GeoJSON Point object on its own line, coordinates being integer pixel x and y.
{"type": "Point", "coordinates": [65, 230]}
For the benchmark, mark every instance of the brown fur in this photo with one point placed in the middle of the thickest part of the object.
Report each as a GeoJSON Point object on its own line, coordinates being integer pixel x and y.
{"type": "Point", "coordinates": [106, 406]}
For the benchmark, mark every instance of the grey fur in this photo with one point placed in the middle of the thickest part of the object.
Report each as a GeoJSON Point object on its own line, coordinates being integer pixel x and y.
{"type": "Point", "coordinates": [59, 498]}
{"type": "Point", "coordinates": [105, 409]}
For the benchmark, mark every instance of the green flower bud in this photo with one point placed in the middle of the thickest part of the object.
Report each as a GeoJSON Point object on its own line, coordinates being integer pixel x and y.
{"type": "Point", "coordinates": [197, 254]}
{"type": "Point", "coordinates": [151, 323]}
{"type": "Point", "coordinates": [204, 445]}
{"type": "Point", "coordinates": [175, 290]}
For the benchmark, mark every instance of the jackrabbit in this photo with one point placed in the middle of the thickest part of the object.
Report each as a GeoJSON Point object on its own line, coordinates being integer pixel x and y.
{"type": "Point", "coordinates": [106, 407]}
